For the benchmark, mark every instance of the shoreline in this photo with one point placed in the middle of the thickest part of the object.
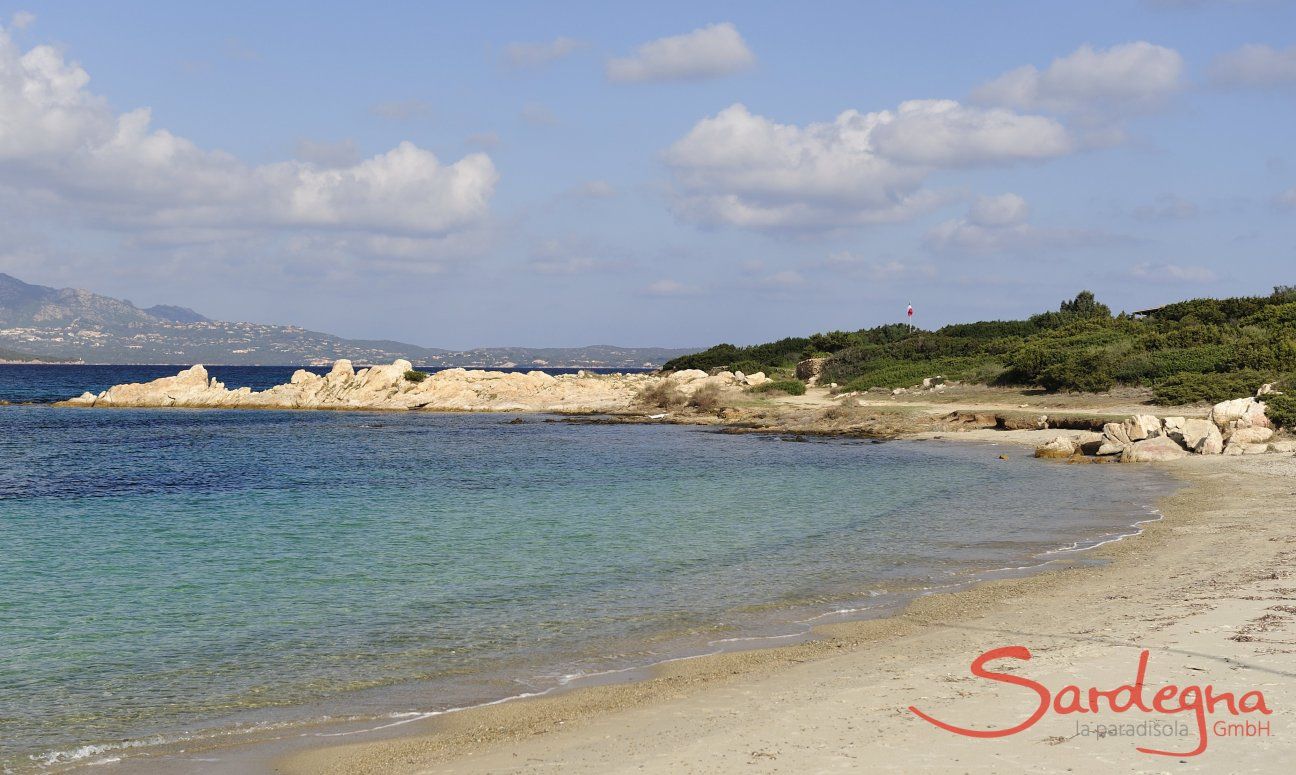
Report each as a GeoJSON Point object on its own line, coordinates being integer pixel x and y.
{"type": "Point", "coordinates": [801, 626]}
{"type": "Point", "coordinates": [572, 723]}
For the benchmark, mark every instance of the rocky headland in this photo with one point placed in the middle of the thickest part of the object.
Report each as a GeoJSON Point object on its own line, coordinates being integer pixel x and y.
{"type": "Point", "coordinates": [399, 387]}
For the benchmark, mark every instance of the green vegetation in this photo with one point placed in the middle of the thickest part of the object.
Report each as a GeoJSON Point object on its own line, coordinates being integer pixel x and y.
{"type": "Point", "coordinates": [1281, 409]}
{"type": "Point", "coordinates": [793, 387]}
{"type": "Point", "coordinates": [1196, 350]}
{"type": "Point", "coordinates": [413, 375]}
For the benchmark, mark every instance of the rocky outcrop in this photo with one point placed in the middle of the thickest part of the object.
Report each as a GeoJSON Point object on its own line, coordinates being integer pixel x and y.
{"type": "Point", "coordinates": [1237, 427]}
{"type": "Point", "coordinates": [810, 369]}
{"type": "Point", "coordinates": [388, 388]}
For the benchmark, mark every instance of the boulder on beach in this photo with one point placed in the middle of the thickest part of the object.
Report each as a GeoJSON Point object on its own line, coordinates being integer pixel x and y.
{"type": "Point", "coordinates": [1057, 447]}
{"type": "Point", "coordinates": [1155, 449]}
{"type": "Point", "coordinates": [1239, 412]}
{"type": "Point", "coordinates": [1249, 434]}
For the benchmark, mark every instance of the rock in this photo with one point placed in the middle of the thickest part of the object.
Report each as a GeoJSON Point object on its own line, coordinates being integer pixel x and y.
{"type": "Point", "coordinates": [1155, 449]}
{"type": "Point", "coordinates": [1089, 442]}
{"type": "Point", "coordinates": [1058, 447]}
{"type": "Point", "coordinates": [758, 378]}
{"type": "Point", "coordinates": [301, 375]}
{"type": "Point", "coordinates": [1249, 434]}
{"type": "Point", "coordinates": [1189, 433]}
{"type": "Point", "coordinates": [1286, 445]}
{"type": "Point", "coordinates": [341, 369]}
{"type": "Point", "coordinates": [1267, 389]}
{"type": "Point", "coordinates": [1117, 432]}
{"type": "Point", "coordinates": [810, 369]}
{"type": "Point", "coordinates": [1142, 426]}
{"type": "Point", "coordinates": [1244, 411]}
{"type": "Point", "coordinates": [1210, 444]}
{"type": "Point", "coordinates": [1234, 448]}
{"type": "Point", "coordinates": [898, 391]}
{"type": "Point", "coordinates": [929, 383]}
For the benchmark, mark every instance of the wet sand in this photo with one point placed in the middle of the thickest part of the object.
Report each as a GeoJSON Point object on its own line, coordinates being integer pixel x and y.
{"type": "Point", "coordinates": [1210, 591]}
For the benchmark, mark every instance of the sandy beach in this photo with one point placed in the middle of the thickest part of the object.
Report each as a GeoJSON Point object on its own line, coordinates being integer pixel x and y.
{"type": "Point", "coordinates": [1208, 591]}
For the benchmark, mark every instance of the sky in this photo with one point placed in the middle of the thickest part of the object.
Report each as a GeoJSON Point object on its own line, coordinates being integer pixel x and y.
{"type": "Point", "coordinates": [669, 174]}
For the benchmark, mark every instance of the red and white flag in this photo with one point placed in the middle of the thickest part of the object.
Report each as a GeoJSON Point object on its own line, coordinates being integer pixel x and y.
{"type": "Point", "coordinates": [910, 312]}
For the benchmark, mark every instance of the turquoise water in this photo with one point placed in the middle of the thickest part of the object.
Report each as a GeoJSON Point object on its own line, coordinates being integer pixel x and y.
{"type": "Point", "coordinates": [163, 573]}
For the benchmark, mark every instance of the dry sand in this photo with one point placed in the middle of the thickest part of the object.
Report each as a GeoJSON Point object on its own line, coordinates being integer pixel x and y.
{"type": "Point", "coordinates": [1210, 591]}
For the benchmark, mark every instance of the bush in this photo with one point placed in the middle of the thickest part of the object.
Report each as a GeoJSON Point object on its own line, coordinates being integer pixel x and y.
{"type": "Point", "coordinates": [1190, 388]}
{"type": "Point", "coordinates": [414, 375]}
{"type": "Point", "coordinates": [792, 387]}
{"type": "Point", "coordinates": [1280, 408]}
{"type": "Point", "coordinates": [706, 398]}
{"type": "Point", "coordinates": [663, 395]}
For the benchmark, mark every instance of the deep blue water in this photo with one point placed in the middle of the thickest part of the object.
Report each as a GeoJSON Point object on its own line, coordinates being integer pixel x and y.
{"type": "Point", "coordinates": [168, 572]}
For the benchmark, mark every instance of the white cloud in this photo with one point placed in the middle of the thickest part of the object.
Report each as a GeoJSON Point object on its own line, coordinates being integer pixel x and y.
{"type": "Point", "coordinates": [1000, 224]}
{"type": "Point", "coordinates": [1167, 207]}
{"type": "Point", "coordinates": [21, 20]}
{"type": "Point", "coordinates": [1129, 77]}
{"type": "Point", "coordinates": [62, 145]}
{"type": "Point", "coordinates": [703, 53]}
{"type": "Point", "coordinates": [1172, 273]}
{"type": "Point", "coordinates": [343, 153]}
{"type": "Point", "coordinates": [1256, 65]}
{"type": "Point", "coordinates": [740, 169]}
{"type": "Point", "coordinates": [528, 56]}
{"type": "Point", "coordinates": [995, 211]}
{"type": "Point", "coordinates": [401, 110]}
{"type": "Point", "coordinates": [668, 287]}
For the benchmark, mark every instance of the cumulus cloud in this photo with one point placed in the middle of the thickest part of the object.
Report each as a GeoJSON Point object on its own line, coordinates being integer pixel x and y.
{"type": "Point", "coordinates": [343, 153]}
{"type": "Point", "coordinates": [1256, 65]}
{"type": "Point", "coordinates": [1172, 273]}
{"type": "Point", "coordinates": [707, 52]}
{"type": "Point", "coordinates": [61, 144]}
{"type": "Point", "coordinates": [741, 169]}
{"type": "Point", "coordinates": [21, 20]}
{"type": "Point", "coordinates": [529, 56]}
{"type": "Point", "coordinates": [1001, 224]}
{"type": "Point", "coordinates": [1091, 82]}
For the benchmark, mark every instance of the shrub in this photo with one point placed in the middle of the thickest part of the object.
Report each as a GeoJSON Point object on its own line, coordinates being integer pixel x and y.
{"type": "Point", "coordinates": [706, 398]}
{"type": "Point", "coordinates": [413, 375]}
{"type": "Point", "coordinates": [663, 395]}
{"type": "Point", "coordinates": [1190, 388]}
{"type": "Point", "coordinates": [1281, 409]}
{"type": "Point", "coordinates": [792, 387]}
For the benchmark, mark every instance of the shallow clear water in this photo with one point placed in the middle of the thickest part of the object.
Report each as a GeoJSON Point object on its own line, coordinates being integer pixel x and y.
{"type": "Point", "coordinates": [163, 572]}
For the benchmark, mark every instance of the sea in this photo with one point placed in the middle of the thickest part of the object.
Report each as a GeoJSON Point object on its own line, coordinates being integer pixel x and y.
{"type": "Point", "coordinates": [189, 575]}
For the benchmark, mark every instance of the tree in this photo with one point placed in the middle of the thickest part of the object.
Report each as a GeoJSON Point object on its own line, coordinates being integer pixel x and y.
{"type": "Point", "coordinates": [1084, 305]}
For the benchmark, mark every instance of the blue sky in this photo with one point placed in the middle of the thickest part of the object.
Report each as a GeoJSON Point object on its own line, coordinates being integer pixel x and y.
{"type": "Point", "coordinates": [668, 174]}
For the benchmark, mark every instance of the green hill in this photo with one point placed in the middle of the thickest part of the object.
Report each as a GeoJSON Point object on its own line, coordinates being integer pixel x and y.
{"type": "Point", "coordinates": [1197, 350]}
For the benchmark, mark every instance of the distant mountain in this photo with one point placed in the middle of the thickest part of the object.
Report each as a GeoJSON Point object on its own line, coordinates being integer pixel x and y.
{"type": "Point", "coordinates": [176, 314]}
{"type": "Point", "coordinates": [76, 325]}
